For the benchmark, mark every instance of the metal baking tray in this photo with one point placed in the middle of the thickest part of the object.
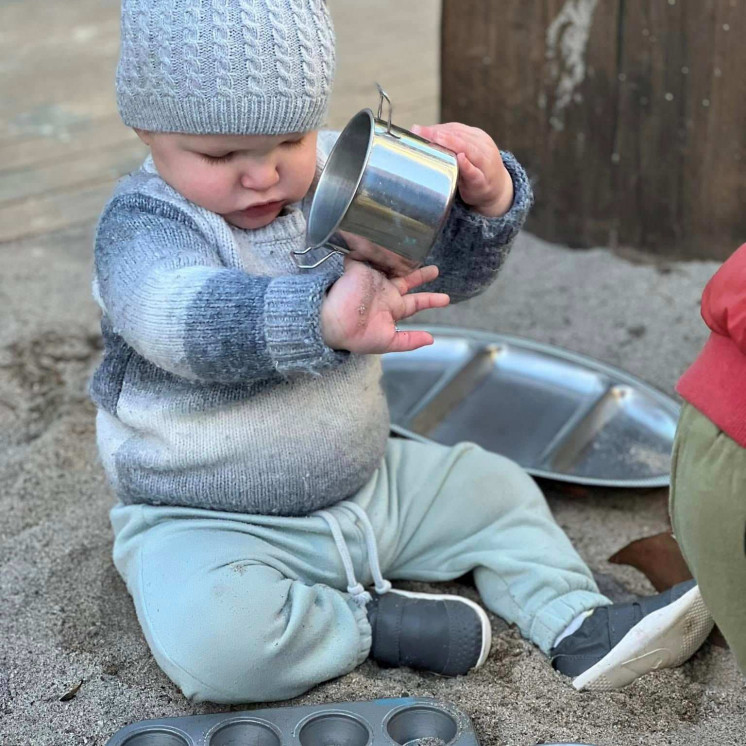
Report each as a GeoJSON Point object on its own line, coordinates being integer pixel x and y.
{"type": "Point", "coordinates": [559, 415]}
{"type": "Point", "coordinates": [413, 721]}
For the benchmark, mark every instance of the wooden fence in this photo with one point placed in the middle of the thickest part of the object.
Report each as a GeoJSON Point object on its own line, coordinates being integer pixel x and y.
{"type": "Point", "coordinates": [629, 114]}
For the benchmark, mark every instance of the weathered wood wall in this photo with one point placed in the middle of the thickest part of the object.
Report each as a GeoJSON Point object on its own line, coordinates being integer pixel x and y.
{"type": "Point", "coordinates": [630, 114]}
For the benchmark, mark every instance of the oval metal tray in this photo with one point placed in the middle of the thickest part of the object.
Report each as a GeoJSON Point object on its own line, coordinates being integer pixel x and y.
{"type": "Point", "coordinates": [559, 415]}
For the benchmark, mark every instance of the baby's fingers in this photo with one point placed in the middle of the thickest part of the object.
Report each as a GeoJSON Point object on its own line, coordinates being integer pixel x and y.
{"type": "Point", "coordinates": [422, 301]}
{"type": "Point", "coordinates": [443, 136]}
{"type": "Point", "coordinates": [414, 279]}
{"type": "Point", "coordinates": [467, 168]}
{"type": "Point", "coordinates": [405, 340]}
{"type": "Point", "coordinates": [469, 174]}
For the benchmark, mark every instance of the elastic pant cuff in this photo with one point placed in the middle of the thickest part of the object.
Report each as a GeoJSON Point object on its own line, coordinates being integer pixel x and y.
{"type": "Point", "coordinates": [554, 618]}
{"type": "Point", "coordinates": [366, 633]}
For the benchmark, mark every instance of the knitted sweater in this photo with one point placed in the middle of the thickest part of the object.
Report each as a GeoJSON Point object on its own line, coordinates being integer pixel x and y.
{"type": "Point", "coordinates": [216, 389]}
{"type": "Point", "coordinates": [714, 384]}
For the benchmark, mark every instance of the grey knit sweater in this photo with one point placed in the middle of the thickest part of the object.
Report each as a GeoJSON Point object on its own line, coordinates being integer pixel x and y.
{"type": "Point", "coordinates": [216, 389]}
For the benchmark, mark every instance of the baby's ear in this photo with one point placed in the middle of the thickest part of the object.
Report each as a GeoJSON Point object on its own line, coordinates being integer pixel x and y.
{"type": "Point", "coordinates": [144, 135]}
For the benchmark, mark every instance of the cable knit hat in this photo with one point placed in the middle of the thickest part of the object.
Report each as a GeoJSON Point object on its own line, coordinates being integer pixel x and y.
{"type": "Point", "coordinates": [237, 67]}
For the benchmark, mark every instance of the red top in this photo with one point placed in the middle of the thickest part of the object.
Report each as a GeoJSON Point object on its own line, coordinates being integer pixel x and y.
{"type": "Point", "coordinates": [716, 382]}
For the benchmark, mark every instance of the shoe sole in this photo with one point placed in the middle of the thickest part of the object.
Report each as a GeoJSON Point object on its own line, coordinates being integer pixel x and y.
{"type": "Point", "coordinates": [481, 613]}
{"type": "Point", "coordinates": [662, 639]}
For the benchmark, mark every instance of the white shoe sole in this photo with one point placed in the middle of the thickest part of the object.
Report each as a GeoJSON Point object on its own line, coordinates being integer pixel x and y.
{"type": "Point", "coordinates": [662, 639]}
{"type": "Point", "coordinates": [481, 613]}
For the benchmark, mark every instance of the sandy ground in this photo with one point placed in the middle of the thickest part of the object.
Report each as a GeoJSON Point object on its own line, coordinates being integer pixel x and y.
{"type": "Point", "coordinates": [65, 616]}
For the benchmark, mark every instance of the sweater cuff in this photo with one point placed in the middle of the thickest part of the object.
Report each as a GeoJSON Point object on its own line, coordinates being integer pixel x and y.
{"type": "Point", "coordinates": [502, 230]}
{"type": "Point", "coordinates": [292, 307]}
{"type": "Point", "coordinates": [523, 194]}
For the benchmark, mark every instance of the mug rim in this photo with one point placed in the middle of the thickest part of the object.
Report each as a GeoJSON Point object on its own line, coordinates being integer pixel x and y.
{"type": "Point", "coordinates": [364, 114]}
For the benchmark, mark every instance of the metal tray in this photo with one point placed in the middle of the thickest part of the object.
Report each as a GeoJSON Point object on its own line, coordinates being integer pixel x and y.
{"type": "Point", "coordinates": [559, 415]}
{"type": "Point", "coordinates": [412, 721]}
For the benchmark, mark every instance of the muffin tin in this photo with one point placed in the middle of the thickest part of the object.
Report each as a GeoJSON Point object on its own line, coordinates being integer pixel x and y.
{"type": "Point", "coordinates": [411, 721]}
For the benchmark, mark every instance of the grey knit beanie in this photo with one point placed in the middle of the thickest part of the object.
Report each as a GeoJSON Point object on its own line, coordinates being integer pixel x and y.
{"type": "Point", "coordinates": [237, 67]}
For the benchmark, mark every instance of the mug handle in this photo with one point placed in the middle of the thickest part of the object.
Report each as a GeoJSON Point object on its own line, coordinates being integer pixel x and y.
{"type": "Point", "coordinates": [295, 253]}
{"type": "Point", "coordinates": [383, 95]}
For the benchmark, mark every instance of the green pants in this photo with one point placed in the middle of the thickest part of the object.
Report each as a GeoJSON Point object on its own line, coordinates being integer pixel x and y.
{"type": "Point", "coordinates": [708, 512]}
{"type": "Point", "coordinates": [249, 608]}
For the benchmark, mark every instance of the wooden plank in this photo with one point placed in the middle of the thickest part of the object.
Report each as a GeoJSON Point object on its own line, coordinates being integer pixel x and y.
{"type": "Point", "coordinates": [62, 75]}
{"type": "Point", "coordinates": [97, 165]}
{"type": "Point", "coordinates": [53, 212]}
{"type": "Point", "coordinates": [630, 114]}
{"type": "Point", "coordinates": [24, 152]}
{"type": "Point", "coordinates": [683, 144]}
{"type": "Point", "coordinates": [503, 82]}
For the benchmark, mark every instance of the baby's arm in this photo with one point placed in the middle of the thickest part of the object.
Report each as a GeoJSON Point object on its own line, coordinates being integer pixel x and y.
{"type": "Point", "coordinates": [169, 297]}
{"type": "Point", "coordinates": [494, 199]}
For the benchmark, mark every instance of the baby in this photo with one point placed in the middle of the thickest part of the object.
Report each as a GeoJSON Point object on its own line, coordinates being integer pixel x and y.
{"type": "Point", "coordinates": [241, 419]}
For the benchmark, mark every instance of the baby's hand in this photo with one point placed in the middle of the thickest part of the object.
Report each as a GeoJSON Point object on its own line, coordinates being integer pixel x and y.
{"type": "Point", "coordinates": [483, 182]}
{"type": "Point", "coordinates": [361, 309]}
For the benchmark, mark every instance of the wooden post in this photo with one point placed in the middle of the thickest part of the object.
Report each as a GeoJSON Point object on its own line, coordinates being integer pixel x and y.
{"type": "Point", "coordinates": [629, 114]}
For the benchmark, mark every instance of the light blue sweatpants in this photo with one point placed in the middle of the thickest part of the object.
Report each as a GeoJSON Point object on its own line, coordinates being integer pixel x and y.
{"type": "Point", "coordinates": [247, 608]}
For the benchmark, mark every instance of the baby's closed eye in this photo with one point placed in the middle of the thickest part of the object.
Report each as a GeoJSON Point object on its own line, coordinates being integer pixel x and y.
{"type": "Point", "coordinates": [292, 143]}
{"type": "Point", "coordinates": [214, 159]}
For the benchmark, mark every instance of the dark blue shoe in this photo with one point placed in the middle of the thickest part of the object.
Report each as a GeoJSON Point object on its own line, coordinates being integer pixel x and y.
{"type": "Point", "coordinates": [617, 644]}
{"type": "Point", "coordinates": [447, 635]}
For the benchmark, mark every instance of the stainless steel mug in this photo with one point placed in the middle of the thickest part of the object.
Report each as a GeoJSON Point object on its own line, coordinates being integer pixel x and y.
{"type": "Point", "coordinates": [384, 184]}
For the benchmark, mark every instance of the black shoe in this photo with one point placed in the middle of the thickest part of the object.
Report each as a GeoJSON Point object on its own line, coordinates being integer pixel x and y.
{"type": "Point", "coordinates": [447, 635]}
{"type": "Point", "coordinates": [618, 643]}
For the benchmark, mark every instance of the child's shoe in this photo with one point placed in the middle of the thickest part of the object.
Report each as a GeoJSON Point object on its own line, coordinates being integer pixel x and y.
{"type": "Point", "coordinates": [447, 635]}
{"type": "Point", "coordinates": [618, 643]}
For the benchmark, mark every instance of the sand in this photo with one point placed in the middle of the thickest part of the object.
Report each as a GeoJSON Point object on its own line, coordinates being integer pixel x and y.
{"type": "Point", "coordinates": [66, 617]}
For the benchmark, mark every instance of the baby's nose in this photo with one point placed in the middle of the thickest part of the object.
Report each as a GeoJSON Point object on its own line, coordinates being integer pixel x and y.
{"type": "Point", "coordinates": [260, 177]}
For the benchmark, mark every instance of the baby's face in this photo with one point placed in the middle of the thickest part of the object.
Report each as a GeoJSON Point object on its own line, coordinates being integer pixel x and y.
{"type": "Point", "coordinates": [247, 179]}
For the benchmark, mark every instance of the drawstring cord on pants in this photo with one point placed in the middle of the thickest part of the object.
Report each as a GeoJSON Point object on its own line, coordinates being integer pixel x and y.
{"type": "Point", "coordinates": [381, 584]}
{"type": "Point", "coordinates": [359, 595]}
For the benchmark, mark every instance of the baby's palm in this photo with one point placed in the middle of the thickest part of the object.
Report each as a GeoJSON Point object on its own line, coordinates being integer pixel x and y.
{"type": "Point", "coordinates": [362, 309]}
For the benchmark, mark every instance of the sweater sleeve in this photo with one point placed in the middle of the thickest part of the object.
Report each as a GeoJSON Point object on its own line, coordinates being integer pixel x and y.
{"type": "Point", "coordinates": [167, 294]}
{"type": "Point", "coordinates": [471, 248]}
{"type": "Point", "coordinates": [724, 300]}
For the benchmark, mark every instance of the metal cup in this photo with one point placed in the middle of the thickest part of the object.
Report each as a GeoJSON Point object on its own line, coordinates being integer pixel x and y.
{"type": "Point", "coordinates": [384, 184]}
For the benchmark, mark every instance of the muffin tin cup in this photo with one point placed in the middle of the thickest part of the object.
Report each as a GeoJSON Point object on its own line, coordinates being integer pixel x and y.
{"type": "Point", "coordinates": [240, 730]}
{"type": "Point", "coordinates": [422, 725]}
{"type": "Point", "coordinates": [412, 721]}
{"type": "Point", "coordinates": [334, 728]}
{"type": "Point", "coordinates": [157, 736]}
